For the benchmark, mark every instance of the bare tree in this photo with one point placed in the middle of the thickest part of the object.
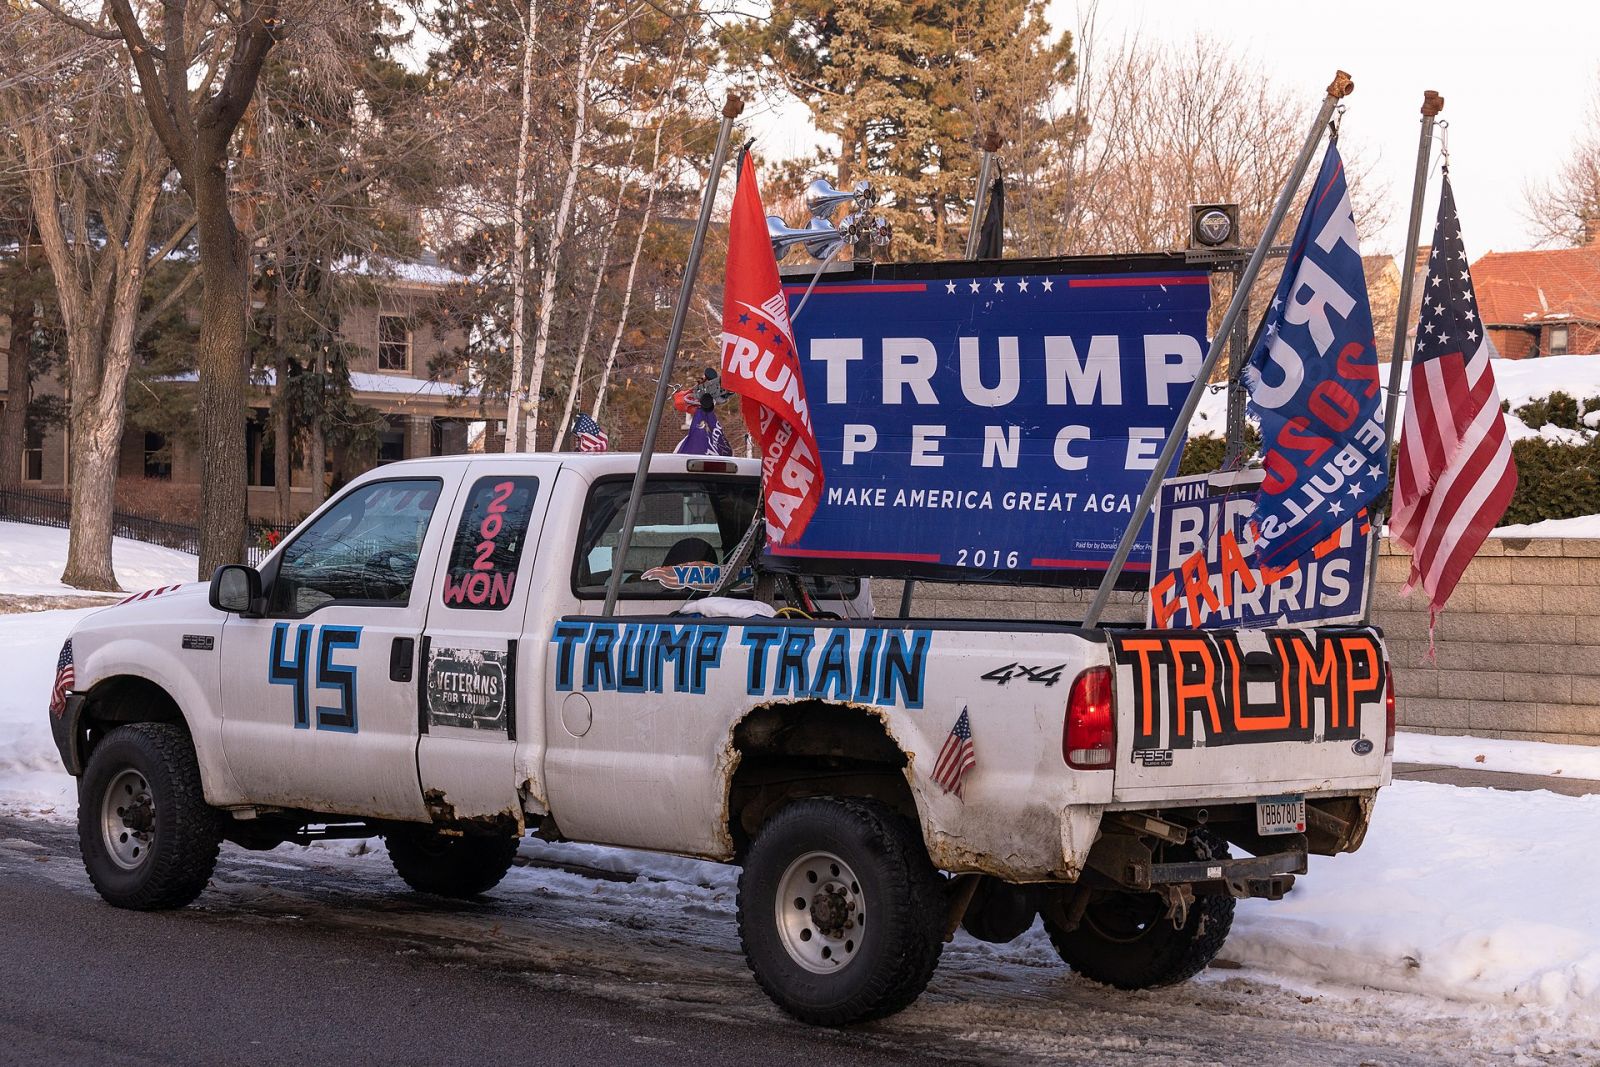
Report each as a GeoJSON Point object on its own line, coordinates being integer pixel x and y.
{"type": "Point", "coordinates": [197, 66]}
{"type": "Point", "coordinates": [1565, 209]}
{"type": "Point", "coordinates": [588, 47]}
{"type": "Point", "coordinates": [94, 175]}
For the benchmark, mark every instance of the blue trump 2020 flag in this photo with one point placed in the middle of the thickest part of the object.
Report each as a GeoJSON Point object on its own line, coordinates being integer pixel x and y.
{"type": "Point", "coordinates": [1313, 380]}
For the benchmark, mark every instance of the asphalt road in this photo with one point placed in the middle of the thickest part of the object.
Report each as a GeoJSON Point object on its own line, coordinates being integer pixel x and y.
{"type": "Point", "coordinates": [83, 983]}
{"type": "Point", "coordinates": [322, 956]}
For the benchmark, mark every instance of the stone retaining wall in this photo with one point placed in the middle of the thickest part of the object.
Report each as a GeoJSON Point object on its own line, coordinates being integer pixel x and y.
{"type": "Point", "coordinates": [1518, 647]}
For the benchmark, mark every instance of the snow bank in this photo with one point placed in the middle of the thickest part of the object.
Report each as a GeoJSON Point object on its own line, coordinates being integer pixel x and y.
{"type": "Point", "coordinates": [1517, 380]}
{"type": "Point", "coordinates": [1578, 527]}
{"type": "Point", "coordinates": [1470, 894]}
{"type": "Point", "coordinates": [1489, 754]}
{"type": "Point", "coordinates": [31, 774]}
{"type": "Point", "coordinates": [32, 557]}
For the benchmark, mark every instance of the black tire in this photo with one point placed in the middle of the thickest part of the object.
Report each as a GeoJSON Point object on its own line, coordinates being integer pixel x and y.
{"type": "Point", "coordinates": [1126, 941]}
{"type": "Point", "coordinates": [889, 946]}
{"type": "Point", "coordinates": [148, 838]}
{"type": "Point", "coordinates": [446, 865]}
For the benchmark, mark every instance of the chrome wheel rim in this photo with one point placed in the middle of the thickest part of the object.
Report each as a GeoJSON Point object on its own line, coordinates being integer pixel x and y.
{"type": "Point", "coordinates": [128, 819]}
{"type": "Point", "coordinates": [821, 912]}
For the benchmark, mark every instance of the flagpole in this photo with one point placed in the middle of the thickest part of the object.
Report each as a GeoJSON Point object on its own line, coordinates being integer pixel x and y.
{"type": "Point", "coordinates": [1341, 87]}
{"type": "Point", "coordinates": [1432, 104]}
{"type": "Point", "coordinates": [991, 145]}
{"type": "Point", "coordinates": [732, 108]}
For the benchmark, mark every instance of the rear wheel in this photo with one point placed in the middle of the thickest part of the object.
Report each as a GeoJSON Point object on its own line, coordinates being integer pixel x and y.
{"type": "Point", "coordinates": [148, 838]}
{"type": "Point", "coordinates": [449, 865]}
{"type": "Point", "coordinates": [1126, 940]}
{"type": "Point", "coordinates": [840, 912]}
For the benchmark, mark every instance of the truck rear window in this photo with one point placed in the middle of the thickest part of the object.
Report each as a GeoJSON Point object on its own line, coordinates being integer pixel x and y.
{"type": "Point", "coordinates": [685, 529]}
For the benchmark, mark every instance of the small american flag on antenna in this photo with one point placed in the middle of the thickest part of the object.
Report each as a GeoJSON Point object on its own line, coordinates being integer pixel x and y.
{"type": "Point", "coordinates": [66, 678]}
{"type": "Point", "coordinates": [591, 438]}
{"type": "Point", "coordinates": [957, 757]}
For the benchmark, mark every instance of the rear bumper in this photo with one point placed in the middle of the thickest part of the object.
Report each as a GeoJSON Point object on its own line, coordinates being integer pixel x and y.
{"type": "Point", "coordinates": [1247, 869]}
{"type": "Point", "coordinates": [68, 733]}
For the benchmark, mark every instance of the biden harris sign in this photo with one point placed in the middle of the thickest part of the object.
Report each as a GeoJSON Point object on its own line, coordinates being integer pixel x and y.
{"type": "Point", "coordinates": [992, 421]}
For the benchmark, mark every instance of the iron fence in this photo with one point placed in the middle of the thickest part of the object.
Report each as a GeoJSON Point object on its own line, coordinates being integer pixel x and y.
{"type": "Point", "coordinates": [46, 509]}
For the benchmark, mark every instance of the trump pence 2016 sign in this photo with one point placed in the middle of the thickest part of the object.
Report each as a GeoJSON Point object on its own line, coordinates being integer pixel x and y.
{"type": "Point", "coordinates": [997, 424]}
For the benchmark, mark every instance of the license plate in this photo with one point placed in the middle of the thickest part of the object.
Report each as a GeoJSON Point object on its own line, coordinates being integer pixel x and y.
{"type": "Point", "coordinates": [1281, 815]}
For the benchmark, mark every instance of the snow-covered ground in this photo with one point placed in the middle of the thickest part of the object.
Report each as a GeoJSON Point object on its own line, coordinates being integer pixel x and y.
{"type": "Point", "coordinates": [1490, 754]}
{"type": "Point", "coordinates": [1462, 901]}
{"type": "Point", "coordinates": [1517, 380]}
{"type": "Point", "coordinates": [32, 558]}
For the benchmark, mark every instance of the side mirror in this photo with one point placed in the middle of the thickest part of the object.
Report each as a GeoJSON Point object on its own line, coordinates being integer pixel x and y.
{"type": "Point", "coordinates": [236, 589]}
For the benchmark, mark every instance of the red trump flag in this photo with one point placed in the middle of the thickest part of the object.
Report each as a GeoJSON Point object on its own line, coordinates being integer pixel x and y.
{"type": "Point", "coordinates": [760, 364]}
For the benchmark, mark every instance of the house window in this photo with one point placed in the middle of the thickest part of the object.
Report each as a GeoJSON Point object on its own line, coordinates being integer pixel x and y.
{"type": "Point", "coordinates": [1558, 340]}
{"type": "Point", "coordinates": [157, 457]}
{"type": "Point", "coordinates": [33, 456]}
{"type": "Point", "coordinates": [394, 343]}
{"type": "Point", "coordinates": [392, 442]}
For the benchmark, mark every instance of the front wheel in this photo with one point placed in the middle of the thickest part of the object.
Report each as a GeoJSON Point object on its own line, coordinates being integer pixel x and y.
{"type": "Point", "coordinates": [148, 838]}
{"type": "Point", "coordinates": [449, 865]}
{"type": "Point", "coordinates": [840, 912]}
{"type": "Point", "coordinates": [1126, 940]}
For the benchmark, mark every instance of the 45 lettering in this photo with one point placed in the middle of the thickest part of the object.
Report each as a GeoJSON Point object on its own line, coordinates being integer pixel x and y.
{"type": "Point", "coordinates": [1047, 676]}
{"type": "Point", "coordinates": [294, 667]}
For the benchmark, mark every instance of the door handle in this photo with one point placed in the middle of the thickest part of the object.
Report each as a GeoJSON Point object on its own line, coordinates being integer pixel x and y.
{"type": "Point", "coordinates": [1260, 667]}
{"type": "Point", "coordinates": [401, 656]}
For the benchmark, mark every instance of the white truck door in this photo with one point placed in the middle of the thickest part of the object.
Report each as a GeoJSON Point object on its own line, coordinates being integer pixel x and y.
{"type": "Point", "coordinates": [319, 705]}
{"type": "Point", "coordinates": [480, 681]}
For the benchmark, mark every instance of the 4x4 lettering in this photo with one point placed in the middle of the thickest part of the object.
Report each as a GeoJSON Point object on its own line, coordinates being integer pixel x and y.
{"type": "Point", "coordinates": [296, 672]}
{"type": "Point", "coordinates": [1048, 676]}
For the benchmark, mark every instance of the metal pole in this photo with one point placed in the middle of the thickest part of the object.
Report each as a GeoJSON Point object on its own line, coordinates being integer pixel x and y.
{"type": "Point", "coordinates": [1341, 87]}
{"type": "Point", "coordinates": [731, 110]}
{"type": "Point", "coordinates": [1432, 104]}
{"type": "Point", "coordinates": [906, 591]}
{"type": "Point", "coordinates": [1238, 352]}
{"type": "Point", "coordinates": [991, 145]}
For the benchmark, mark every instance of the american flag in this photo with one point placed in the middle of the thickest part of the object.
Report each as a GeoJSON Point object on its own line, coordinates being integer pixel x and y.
{"type": "Point", "coordinates": [957, 757]}
{"type": "Point", "coordinates": [1456, 472]}
{"type": "Point", "coordinates": [66, 678]}
{"type": "Point", "coordinates": [591, 438]}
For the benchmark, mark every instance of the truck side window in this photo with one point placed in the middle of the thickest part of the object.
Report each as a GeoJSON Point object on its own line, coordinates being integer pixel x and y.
{"type": "Point", "coordinates": [685, 529]}
{"type": "Point", "coordinates": [363, 550]}
{"type": "Point", "coordinates": [488, 543]}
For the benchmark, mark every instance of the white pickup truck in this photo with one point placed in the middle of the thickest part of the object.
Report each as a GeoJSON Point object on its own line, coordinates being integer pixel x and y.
{"type": "Point", "coordinates": [424, 659]}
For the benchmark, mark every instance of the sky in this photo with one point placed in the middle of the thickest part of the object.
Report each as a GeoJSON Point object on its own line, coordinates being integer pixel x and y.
{"type": "Point", "coordinates": [1517, 81]}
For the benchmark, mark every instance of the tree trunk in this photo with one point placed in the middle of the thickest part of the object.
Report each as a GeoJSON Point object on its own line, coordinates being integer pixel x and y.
{"type": "Point", "coordinates": [519, 239]}
{"type": "Point", "coordinates": [627, 286]}
{"type": "Point", "coordinates": [317, 450]}
{"type": "Point", "coordinates": [94, 454]}
{"type": "Point", "coordinates": [221, 361]}
{"type": "Point", "coordinates": [14, 417]}
{"type": "Point", "coordinates": [282, 431]}
{"type": "Point", "coordinates": [558, 229]}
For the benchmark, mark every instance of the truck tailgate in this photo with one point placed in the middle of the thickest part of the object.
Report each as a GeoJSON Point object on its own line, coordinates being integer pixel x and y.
{"type": "Point", "coordinates": [1217, 715]}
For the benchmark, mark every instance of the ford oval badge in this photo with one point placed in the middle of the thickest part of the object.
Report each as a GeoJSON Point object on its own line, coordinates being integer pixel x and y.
{"type": "Point", "coordinates": [1361, 747]}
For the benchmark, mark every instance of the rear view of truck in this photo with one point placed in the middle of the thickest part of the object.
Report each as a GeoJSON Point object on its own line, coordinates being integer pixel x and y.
{"type": "Point", "coordinates": [1234, 756]}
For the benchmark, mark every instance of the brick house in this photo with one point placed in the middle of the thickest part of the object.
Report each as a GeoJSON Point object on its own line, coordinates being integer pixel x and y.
{"type": "Point", "coordinates": [393, 349]}
{"type": "Point", "coordinates": [1541, 303]}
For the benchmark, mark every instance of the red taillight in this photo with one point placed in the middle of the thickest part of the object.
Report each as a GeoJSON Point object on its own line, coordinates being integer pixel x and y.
{"type": "Point", "coordinates": [1388, 712]}
{"type": "Point", "coordinates": [1089, 739]}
